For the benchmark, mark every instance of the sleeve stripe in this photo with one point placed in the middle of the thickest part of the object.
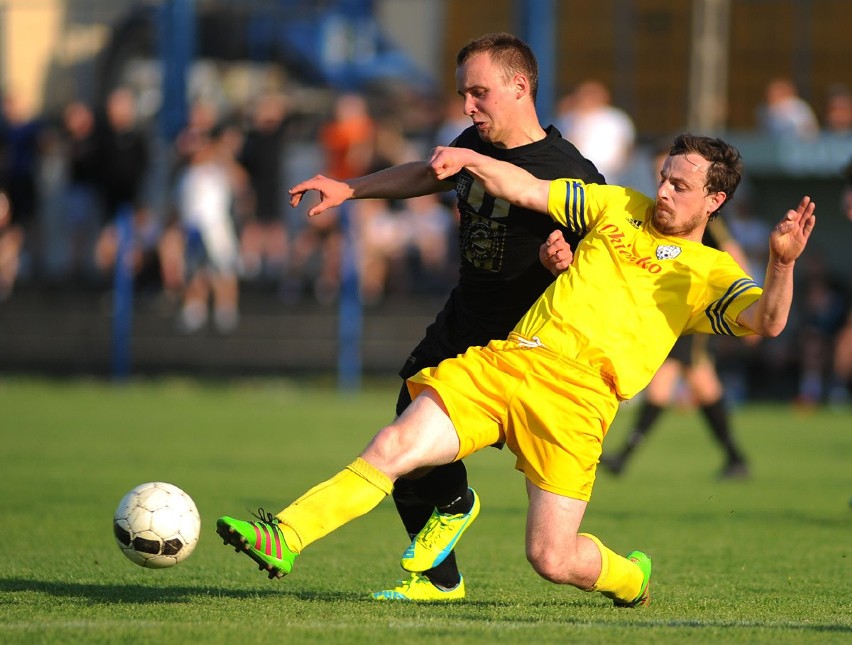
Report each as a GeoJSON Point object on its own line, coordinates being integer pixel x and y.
{"type": "Point", "coordinates": [575, 206]}
{"type": "Point", "coordinates": [716, 310]}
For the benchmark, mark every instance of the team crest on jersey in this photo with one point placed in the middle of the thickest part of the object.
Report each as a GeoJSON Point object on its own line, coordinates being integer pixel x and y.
{"type": "Point", "coordinates": [668, 251]}
{"type": "Point", "coordinates": [463, 183]}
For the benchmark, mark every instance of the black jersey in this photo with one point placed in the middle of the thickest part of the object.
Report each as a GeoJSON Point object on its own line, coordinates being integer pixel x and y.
{"type": "Point", "coordinates": [500, 275]}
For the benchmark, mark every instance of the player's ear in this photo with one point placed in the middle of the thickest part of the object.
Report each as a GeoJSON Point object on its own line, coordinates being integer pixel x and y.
{"type": "Point", "coordinates": [521, 85]}
{"type": "Point", "coordinates": [716, 200]}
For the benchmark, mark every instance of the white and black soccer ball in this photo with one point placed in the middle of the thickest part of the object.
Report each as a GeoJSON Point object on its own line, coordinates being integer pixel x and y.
{"type": "Point", "coordinates": [156, 525]}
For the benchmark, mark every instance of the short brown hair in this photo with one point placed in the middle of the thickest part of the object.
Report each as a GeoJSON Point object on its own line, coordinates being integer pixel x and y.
{"type": "Point", "coordinates": [509, 52]}
{"type": "Point", "coordinates": [726, 164]}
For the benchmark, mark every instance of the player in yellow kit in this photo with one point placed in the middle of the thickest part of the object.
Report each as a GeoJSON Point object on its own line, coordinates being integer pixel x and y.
{"type": "Point", "coordinates": [640, 278]}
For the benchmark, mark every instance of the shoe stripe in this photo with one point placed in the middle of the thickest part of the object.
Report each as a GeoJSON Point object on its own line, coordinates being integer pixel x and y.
{"type": "Point", "coordinates": [267, 542]}
{"type": "Point", "coordinates": [278, 552]}
{"type": "Point", "coordinates": [258, 540]}
{"type": "Point", "coordinates": [263, 539]}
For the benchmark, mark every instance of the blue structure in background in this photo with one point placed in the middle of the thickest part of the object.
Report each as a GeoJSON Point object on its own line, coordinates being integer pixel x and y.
{"type": "Point", "coordinates": [122, 306]}
{"type": "Point", "coordinates": [538, 28]}
{"type": "Point", "coordinates": [176, 41]}
{"type": "Point", "coordinates": [350, 311]}
{"type": "Point", "coordinates": [334, 43]}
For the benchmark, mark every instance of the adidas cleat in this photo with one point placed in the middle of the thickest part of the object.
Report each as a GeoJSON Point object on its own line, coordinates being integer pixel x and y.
{"type": "Point", "coordinates": [260, 540]}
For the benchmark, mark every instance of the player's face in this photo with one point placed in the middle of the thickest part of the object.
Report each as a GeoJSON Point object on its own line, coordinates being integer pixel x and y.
{"type": "Point", "coordinates": [490, 99]}
{"type": "Point", "coordinates": [683, 205]}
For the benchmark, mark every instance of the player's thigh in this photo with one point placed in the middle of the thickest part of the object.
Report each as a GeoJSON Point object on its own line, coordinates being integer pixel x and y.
{"type": "Point", "coordinates": [423, 436]}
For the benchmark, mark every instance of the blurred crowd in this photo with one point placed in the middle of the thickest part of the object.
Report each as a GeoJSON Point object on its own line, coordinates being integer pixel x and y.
{"type": "Point", "coordinates": [210, 214]}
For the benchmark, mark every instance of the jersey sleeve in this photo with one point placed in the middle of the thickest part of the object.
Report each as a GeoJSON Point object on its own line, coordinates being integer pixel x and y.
{"type": "Point", "coordinates": [570, 202]}
{"type": "Point", "coordinates": [729, 292]}
{"type": "Point", "coordinates": [579, 206]}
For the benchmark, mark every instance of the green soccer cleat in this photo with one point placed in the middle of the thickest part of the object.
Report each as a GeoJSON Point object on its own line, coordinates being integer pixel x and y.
{"type": "Point", "coordinates": [260, 540]}
{"type": "Point", "coordinates": [644, 597]}
{"type": "Point", "coordinates": [435, 541]}
{"type": "Point", "coordinates": [420, 589]}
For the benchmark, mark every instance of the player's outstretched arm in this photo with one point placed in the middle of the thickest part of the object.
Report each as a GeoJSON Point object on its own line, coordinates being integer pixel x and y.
{"type": "Point", "coordinates": [768, 316]}
{"type": "Point", "coordinates": [500, 179]}
{"type": "Point", "coordinates": [397, 182]}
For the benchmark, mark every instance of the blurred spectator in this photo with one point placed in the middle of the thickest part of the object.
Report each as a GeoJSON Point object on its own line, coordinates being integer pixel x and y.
{"type": "Point", "coordinates": [841, 387]}
{"type": "Point", "coordinates": [11, 240]}
{"type": "Point", "coordinates": [455, 121]}
{"type": "Point", "coordinates": [348, 142]}
{"type": "Point", "coordinates": [750, 232]}
{"type": "Point", "coordinates": [201, 121]}
{"type": "Point", "coordinates": [18, 174]}
{"type": "Point", "coordinates": [823, 306]}
{"type": "Point", "coordinates": [604, 134]}
{"type": "Point", "coordinates": [80, 203]}
{"type": "Point", "coordinates": [838, 110]}
{"type": "Point", "coordinates": [432, 226]}
{"type": "Point", "coordinates": [123, 167]}
{"type": "Point", "coordinates": [208, 189]}
{"type": "Point", "coordinates": [785, 114]}
{"type": "Point", "coordinates": [403, 246]}
{"type": "Point", "coordinates": [263, 236]}
{"type": "Point", "coordinates": [381, 246]}
{"type": "Point", "coordinates": [348, 138]}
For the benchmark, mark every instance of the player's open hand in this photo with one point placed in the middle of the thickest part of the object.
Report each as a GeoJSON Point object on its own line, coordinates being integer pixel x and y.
{"type": "Point", "coordinates": [332, 193]}
{"type": "Point", "coordinates": [790, 236]}
{"type": "Point", "coordinates": [446, 162]}
{"type": "Point", "coordinates": [556, 254]}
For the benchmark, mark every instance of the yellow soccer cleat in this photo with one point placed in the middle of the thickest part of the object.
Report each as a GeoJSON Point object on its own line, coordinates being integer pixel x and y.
{"type": "Point", "coordinates": [420, 589]}
{"type": "Point", "coordinates": [435, 540]}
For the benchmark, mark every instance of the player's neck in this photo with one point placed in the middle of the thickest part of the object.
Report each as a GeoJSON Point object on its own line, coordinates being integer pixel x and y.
{"type": "Point", "coordinates": [526, 134]}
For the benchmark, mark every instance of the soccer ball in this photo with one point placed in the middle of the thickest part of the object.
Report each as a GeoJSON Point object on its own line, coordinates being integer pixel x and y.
{"type": "Point", "coordinates": [156, 525]}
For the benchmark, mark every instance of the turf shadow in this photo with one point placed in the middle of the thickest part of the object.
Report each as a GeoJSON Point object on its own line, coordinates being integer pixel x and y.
{"type": "Point", "coordinates": [125, 594]}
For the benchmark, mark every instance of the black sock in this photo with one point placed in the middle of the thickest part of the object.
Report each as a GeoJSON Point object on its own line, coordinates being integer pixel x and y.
{"type": "Point", "coordinates": [412, 510]}
{"type": "Point", "coordinates": [717, 416]}
{"type": "Point", "coordinates": [445, 487]}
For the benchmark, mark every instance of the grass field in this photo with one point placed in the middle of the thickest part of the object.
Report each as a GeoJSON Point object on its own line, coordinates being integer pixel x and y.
{"type": "Point", "coordinates": [763, 561]}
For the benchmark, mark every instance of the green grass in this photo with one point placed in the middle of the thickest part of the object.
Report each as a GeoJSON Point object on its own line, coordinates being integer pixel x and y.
{"type": "Point", "coordinates": [763, 561]}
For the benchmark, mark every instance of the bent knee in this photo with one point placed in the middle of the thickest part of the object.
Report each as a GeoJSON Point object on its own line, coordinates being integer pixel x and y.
{"type": "Point", "coordinates": [556, 566]}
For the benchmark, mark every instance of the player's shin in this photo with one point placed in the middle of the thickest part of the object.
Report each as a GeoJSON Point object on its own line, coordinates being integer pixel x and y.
{"type": "Point", "coordinates": [353, 492]}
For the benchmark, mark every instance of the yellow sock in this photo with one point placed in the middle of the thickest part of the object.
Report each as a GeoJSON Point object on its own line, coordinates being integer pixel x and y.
{"type": "Point", "coordinates": [620, 578]}
{"type": "Point", "coordinates": [354, 491]}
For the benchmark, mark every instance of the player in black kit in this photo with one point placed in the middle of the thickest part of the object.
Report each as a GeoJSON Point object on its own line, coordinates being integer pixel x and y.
{"type": "Point", "coordinates": [508, 255]}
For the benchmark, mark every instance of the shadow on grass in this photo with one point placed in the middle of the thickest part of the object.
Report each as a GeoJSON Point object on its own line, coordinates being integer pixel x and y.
{"type": "Point", "coordinates": [496, 611]}
{"type": "Point", "coordinates": [110, 594]}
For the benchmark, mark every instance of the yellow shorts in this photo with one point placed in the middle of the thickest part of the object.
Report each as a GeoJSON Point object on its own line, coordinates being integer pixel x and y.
{"type": "Point", "coordinates": [552, 413]}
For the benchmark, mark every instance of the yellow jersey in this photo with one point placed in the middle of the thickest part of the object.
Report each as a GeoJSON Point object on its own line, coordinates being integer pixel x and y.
{"type": "Point", "coordinates": [631, 291]}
